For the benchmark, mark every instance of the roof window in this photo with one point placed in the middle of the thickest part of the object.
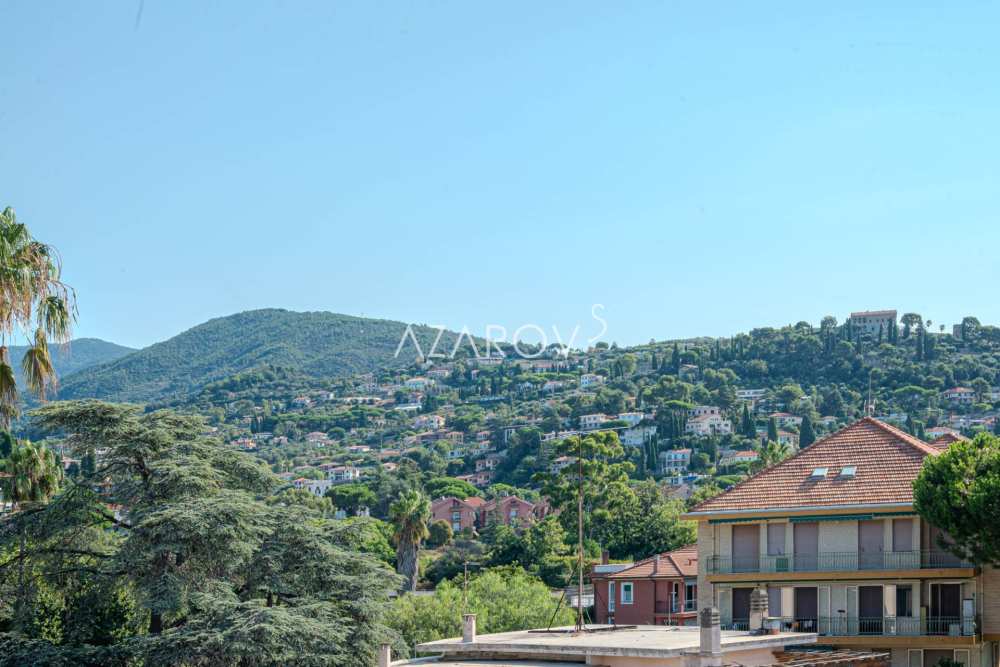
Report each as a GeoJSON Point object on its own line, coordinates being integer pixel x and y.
{"type": "Point", "coordinates": [848, 471]}
{"type": "Point", "coordinates": [818, 473]}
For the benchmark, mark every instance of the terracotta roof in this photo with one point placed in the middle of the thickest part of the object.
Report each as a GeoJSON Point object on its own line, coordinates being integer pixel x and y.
{"type": "Point", "coordinates": [946, 439]}
{"type": "Point", "coordinates": [675, 564]}
{"type": "Point", "coordinates": [887, 461]}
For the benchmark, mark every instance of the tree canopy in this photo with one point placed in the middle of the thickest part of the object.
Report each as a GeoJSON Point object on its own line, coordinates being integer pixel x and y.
{"type": "Point", "coordinates": [181, 559]}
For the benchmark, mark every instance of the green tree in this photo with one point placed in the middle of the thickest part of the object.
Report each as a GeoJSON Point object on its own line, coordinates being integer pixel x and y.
{"type": "Point", "coordinates": [958, 491]}
{"type": "Point", "coordinates": [772, 429]}
{"type": "Point", "coordinates": [445, 487]}
{"type": "Point", "coordinates": [605, 489]}
{"type": "Point", "coordinates": [34, 300]}
{"type": "Point", "coordinates": [351, 497]}
{"type": "Point", "coordinates": [218, 576]}
{"type": "Point", "coordinates": [409, 514]}
{"type": "Point", "coordinates": [747, 426]}
{"type": "Point", "coordinates": [503, 599]}
{"type": "Point", "coordinates": [439, 534]}
{"type": "Point", "coordinates": [769, 454]}
{"type": "Point", "coordinates": [29, 476]}
{"type": "Point", "coordinates": [807, 435]}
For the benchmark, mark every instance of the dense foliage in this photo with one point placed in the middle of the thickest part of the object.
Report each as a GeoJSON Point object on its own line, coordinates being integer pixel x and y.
{"type": "Point", "coordinates": [959, 492]}
{"type": "Point", "coordinates": [168, 554]}
{"type": "Point", "coordinates": [503, 599]}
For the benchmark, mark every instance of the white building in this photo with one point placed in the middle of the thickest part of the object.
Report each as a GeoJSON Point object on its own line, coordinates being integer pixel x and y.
{"type": "Point", "coordinates": [590, 380]}
{"type": "Point", "coordinates": [710, 424]}
{"type": "Point", "coordinates": [631, 418]}
{"type": "Point", "coordinates": [675, 461]}
{"type": "Point", "coordinates": [590, 422]}
{"type": "Point", "coordinates": [636, 437]}
{"type": "Point", "coordinates": [960, 395]}
{"type": "Point", "coordinates": [871, 321]}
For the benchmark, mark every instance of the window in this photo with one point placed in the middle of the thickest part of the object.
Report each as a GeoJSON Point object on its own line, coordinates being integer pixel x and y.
{"type": "Point", "coordinates": [848, 471]}
{"type": "Point", "coordinates": [690, 596]}
{"type": "Point", "coordinates": [627, 592]}
{"type": "Point", "coordinates": [611, 598]}
{"type": "Point", "coordinates": [904, 601]}
{"type": "Point", "coordinates": [819, 473]}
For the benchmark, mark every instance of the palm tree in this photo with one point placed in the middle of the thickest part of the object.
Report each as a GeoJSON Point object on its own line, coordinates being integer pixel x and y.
{"type": "Point", "coordinates": [770, 453]}
{"type": "Point", "coordinates": [33, 302]}
{"type": "Point", "coordinates": [29, 475]}
{"type": "Point", "coordinates": [410, 514]}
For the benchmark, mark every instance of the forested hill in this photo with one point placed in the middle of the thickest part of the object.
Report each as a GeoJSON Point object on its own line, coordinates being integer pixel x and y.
{"type": "Point", "coordinates": [319, 344]}
{"type": "Point", "coordinates": [75, 356]}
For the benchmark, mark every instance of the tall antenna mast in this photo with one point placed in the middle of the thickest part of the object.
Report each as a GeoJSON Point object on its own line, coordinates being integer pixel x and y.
{"type": "Point", "coordinates": [870, 403]}
{"type": "Point", "coordinates": [579, 536]}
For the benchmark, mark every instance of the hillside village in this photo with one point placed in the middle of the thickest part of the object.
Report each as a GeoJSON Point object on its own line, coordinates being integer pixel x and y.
{"type": "Point", "coordinates": [685, 415]}
{"type": "Point", "coordinates": [672, 438]}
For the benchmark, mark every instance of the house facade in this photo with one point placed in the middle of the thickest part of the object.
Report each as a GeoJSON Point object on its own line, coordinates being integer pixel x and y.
{"type": "Point", "coordinates": [662, 590]}
{"type": "Point", "coordinates": [872, 321]}
{"type": "Point", "coordinates": [474, 512]}
{"type": "Point", "coordinates": [708, 424]}
{"type": "Point", "coordinates": [831, 536]}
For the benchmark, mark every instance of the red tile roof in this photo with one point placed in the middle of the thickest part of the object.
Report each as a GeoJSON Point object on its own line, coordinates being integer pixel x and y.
{"type": "Point", "coordinates": [887, 462]}
{"type": "Point", "coordinates": [675, 564]}
{"type": "Point", "coordinates": [946, 439]}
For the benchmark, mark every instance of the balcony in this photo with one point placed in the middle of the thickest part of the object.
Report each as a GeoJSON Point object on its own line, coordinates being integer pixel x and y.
{"type": "Point", "coordinates": [879, 626]}
{"type": "Point", "coordinates": [837, 561]}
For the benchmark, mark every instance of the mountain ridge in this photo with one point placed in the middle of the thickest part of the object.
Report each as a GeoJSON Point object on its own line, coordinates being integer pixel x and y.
{"type": "Point", "coordinates": [319, 343]}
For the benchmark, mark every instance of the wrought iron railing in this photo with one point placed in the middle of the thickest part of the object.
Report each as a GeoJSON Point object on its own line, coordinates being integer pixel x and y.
{"type": "Point", "coordinates": [836, 561]}
{"type": "Point", "coordinates": [881, 626]}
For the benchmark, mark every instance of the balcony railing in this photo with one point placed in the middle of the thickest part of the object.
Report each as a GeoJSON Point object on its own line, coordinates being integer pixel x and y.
{"type": "Point", "coordinates": [836, 561]}
{"type": "Point", "coordinates": [879, 626]}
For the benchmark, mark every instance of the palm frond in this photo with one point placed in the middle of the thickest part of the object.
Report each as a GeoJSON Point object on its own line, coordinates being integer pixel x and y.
{"type": "Point", "coordinates": [8, 383]}
{"type": "Point", "coordinates": [36, 366]}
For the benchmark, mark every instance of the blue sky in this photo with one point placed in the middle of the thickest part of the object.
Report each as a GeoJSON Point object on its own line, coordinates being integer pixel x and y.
{"type": "Point", "coordinates": [697, 168]}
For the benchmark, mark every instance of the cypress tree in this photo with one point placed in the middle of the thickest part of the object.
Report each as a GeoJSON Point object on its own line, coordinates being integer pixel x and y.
{"type": "Point", "coordinates": [806, 434]}
{"type": "Point", "coordinates": [747, 426]}
{"type": "Point", "coordinates": [772, 429]}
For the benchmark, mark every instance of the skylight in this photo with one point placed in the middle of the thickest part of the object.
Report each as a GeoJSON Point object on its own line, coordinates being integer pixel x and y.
{"type": "Point", "coordinates": [818, 473]}
{"type": "Point", "coordinates": [848, 471]}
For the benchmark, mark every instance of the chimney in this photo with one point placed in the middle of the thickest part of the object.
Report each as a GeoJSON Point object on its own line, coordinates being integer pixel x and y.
{"type": "Point", "coordinates": [605, 557]}
{"type": "Point", "coordinates": [710, 649]}
{"type": "Point", "coordinates": [468, 628]}
{"type": "Point", "coordinates": [758, 609]}
{"type": "Point", "coordinates": [384, 656]}
{"type": "Point", "coordinates": [656, 564]}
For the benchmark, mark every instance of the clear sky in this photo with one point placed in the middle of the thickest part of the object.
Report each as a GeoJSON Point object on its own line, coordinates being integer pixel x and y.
{"type": "Point", "coordinates": [697, 168]}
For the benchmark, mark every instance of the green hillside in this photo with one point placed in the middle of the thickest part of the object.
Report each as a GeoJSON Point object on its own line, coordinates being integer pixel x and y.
{"type": "Point", "coordinates": [75, 356]}
{"type": "Point", "coordinates": [319, 344]}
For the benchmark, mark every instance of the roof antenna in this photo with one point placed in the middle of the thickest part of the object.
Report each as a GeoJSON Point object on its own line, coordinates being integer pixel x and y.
{"type": "Point", "coordinates": [870, 403]}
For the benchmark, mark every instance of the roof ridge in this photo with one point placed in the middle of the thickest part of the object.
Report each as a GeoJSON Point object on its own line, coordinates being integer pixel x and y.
{"type": "Point", "coordinates": [904, 436]}
{"type": "Point", "coordinates": [896, 433]}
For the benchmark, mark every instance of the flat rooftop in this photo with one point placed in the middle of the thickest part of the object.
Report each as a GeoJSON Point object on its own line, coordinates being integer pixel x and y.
{"type": "Point", "coordinates": [642, 641]}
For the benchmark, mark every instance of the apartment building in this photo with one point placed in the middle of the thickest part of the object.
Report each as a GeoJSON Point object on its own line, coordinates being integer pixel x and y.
{"type": "Point", "coordinates": [831, 536]}
{"type": "Point", "coordinates": [675, 461]}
